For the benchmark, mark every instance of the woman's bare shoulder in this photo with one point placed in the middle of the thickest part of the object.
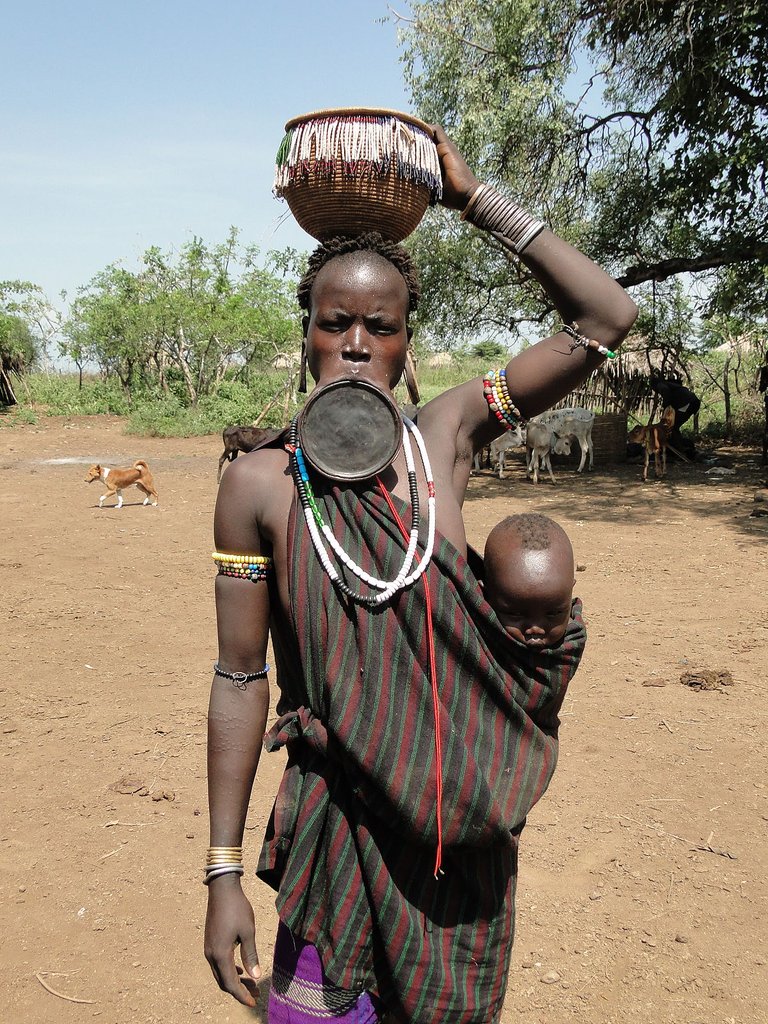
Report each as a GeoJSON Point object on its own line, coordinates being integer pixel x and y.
{"type": "Point", "coordinates": [255, 491]}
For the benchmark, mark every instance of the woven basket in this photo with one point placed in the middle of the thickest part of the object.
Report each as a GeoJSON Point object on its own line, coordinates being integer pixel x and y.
{"type": "Point", "coordinates": [357, 169]}
{"type": "Point", "coordinates": [609, 437]}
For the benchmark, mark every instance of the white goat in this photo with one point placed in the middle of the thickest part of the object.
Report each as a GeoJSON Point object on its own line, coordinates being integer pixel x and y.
{"type": "Point", "coordinates": [498, 449]}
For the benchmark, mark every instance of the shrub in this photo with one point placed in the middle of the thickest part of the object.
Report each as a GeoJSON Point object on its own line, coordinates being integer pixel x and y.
{"type": "Point", "coordinates": [60, 395]}
{"type": "Point", "coordinates": [17, 416]}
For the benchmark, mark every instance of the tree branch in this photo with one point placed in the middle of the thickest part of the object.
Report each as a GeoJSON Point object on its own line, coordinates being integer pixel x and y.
{"type": "Point", "coordinates": [661, 270]}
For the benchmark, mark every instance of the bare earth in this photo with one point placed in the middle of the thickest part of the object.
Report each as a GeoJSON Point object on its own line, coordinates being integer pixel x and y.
{"type": "Point", "coordinates": [642, 893]}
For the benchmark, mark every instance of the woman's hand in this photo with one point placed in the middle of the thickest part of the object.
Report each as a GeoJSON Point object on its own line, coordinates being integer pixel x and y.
{"type": "Point", "coordinates": [229, 923]}
{"type": "Point", "coordinates": [459, 183]}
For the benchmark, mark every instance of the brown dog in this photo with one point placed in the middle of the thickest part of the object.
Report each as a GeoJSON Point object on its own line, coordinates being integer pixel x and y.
{"type": "Point", "coordinates": [655, 438]}
{"type": "Point", "coordinates": [117, 479]}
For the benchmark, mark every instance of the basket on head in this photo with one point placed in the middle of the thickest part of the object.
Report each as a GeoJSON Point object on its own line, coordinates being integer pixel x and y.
{"type": "Point", "coordinates": [357, 169]}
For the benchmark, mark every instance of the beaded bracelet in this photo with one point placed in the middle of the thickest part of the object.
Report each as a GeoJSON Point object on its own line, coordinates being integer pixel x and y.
{"type": "Point", "coordinates": [582, 341]}
{"type": "Point", "coordinates": [499, 401]}
{"type": "Point", "coordinates": [246, 567]}
{"type": "Point", "coordinates": [491, 211]}
{"type": "Point", "coordinates": [241, 678]}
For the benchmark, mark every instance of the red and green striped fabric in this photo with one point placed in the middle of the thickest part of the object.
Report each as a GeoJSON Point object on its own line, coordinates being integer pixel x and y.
{"type": "Point", "coordinates": [351, 842]}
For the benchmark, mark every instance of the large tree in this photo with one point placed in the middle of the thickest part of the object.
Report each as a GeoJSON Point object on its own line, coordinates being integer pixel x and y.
{"type": "Point", "coordinates": [639, 130]}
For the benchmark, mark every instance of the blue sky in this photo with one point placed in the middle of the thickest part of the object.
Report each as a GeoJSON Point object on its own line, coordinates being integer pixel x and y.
{"type": "Point", "coordinates": [125, 125]}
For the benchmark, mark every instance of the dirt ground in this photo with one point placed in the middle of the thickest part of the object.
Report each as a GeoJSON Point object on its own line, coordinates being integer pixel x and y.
{"type": "Point", "coordinates": [643, 871]}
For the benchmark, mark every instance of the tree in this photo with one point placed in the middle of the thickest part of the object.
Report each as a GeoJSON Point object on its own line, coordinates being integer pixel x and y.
{"type": "Point", "coordinates": [27, 321]}
{"type": "Point", "coordinates": [639, 131]}
{"type": "Point", "coordinates": [184, 321]}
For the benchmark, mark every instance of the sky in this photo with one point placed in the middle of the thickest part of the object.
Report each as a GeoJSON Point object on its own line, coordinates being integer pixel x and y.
{"type": "Point", "coordinates": [126, 125]}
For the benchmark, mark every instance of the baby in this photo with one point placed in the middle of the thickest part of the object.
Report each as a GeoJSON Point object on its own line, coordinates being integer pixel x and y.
{"type": "Point", "coordinates": [529, 578]}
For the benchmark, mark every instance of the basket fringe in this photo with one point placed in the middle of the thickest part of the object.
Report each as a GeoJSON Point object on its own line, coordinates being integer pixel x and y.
{"type": "Point", "coordinates": [365, 144]}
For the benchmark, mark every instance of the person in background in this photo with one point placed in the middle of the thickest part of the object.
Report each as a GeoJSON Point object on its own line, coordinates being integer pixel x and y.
{"type": "Point", "coordinates": [686, 404]}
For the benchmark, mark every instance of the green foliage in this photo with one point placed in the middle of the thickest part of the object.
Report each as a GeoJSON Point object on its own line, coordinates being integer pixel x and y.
{"type": "Point", "coordinates": [26, 322]}
{"type": "Point", "coordinates": [181, 324]}
{"type": "Point", "coordinates": [639, 131]}
{"type": "Point", "coordinates": [17, 417]}
{"type": "Point", "coordinates": [235, 402]}
{"type": "Point", "coordinates": [61, 395]}
{"type": "Point", "coordinates": [18, 346]}
{"type": "Point", "coordinates": [488, 350]}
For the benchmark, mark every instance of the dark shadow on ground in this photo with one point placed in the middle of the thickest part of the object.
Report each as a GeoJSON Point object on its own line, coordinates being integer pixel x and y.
{"type": "Point", "coordinates": [616, 491]}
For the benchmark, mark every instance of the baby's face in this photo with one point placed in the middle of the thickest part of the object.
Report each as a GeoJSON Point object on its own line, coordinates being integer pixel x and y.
{"type": "Point", "coordinates": [532, 597]}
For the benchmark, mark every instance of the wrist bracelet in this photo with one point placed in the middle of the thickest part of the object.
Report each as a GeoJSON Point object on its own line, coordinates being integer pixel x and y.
{"type": "Point", "coordinates": [225, 869]}
{"type": "Point", "coordinates": [472, 200]}
{"type": "Point", "coordinates": [579, 340]}
{"type": "Point", "coordinates": [491, 211]}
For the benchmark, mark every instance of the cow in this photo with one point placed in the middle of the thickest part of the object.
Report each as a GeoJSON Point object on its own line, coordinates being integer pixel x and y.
{"type": "Point", "coordinates": [494, 454]}
{"type": "Point", "coordinates": [655, 438]}
{"type": "Point", "coordinates": [568, 424]}
{"type": "Point", "coordinates": [539, 442]}
{"type": "Point", "coordinates": [242, 439]}
{"type": "Point", "coordinates": [501, 445]}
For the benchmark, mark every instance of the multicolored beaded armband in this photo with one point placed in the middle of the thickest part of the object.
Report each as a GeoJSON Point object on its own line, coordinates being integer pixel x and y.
{"type": "Point", "coordinates": [245, 567]}
{"type": "Point", "coordinates": [499, 402]}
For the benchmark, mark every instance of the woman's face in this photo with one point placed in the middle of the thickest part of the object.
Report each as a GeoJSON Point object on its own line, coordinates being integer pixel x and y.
{"type": "Point", "coordinates": [357, 328]}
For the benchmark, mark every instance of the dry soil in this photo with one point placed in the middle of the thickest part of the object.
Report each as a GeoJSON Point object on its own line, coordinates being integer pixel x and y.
{"type": "Point", "coordinates": [642, 892]}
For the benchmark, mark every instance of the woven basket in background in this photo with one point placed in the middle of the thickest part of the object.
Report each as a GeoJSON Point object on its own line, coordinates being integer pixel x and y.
{"type": "Point", "coordinates": [609, 437]}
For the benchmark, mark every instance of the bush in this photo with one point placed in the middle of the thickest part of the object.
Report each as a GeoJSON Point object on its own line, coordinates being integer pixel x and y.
{"type": "Point", "coordinates": [235, 403]}
{"type": "Point", "coordinates": [166, 417]}
{"type": "Point", "coordinates": [60, 395]}
{"type": "Point", "coordinates": [17, 416]}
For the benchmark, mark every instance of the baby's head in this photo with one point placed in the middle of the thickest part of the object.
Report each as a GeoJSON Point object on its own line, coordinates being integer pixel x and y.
{"type": "Point", "coordinates": [529, 578]}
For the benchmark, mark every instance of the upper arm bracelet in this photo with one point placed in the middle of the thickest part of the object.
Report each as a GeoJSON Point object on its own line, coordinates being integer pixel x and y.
{"type": "Point", "coordinates": [245, 567]}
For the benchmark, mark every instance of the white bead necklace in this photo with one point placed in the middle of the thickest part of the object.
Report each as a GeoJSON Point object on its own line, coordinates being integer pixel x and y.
{"type": "Point", "coordinates": [405, 576]}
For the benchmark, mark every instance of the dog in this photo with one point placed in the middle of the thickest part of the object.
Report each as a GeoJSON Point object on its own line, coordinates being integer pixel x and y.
{"type": "Point", "coordinates": [117, 480]}
{"type": "Point", "coordinates": [655, 438]}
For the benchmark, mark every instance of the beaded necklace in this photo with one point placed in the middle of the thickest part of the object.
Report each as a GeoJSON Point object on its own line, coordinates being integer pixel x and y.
{"type": "Point", "coordinates": [318, 528]}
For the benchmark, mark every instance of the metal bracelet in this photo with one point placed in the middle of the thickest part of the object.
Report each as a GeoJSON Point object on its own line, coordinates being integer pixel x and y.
{"type": "Point", "coordinates": [227, 869]}
{"type": "Point", "coordinates": [491, 211]}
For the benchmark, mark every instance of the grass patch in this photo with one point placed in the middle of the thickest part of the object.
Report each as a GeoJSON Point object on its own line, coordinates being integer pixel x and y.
{"type": "Point", "coordinates": [18, 416]}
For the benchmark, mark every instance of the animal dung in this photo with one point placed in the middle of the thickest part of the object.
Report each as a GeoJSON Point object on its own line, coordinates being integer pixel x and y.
{"type": "Point", "coordinates": [707, 679]}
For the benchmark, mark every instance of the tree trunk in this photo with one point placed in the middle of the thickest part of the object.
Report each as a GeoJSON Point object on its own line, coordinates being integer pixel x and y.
{"type": "Point", "coordinates": [184, 367]}
{"type": "Point", "coordinates": [7, 396]}
{"type": "Point", "coordinates": [727, 399]}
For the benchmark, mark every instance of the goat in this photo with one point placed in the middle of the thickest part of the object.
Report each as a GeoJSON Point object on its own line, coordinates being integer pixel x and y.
{"type": "Point", "coordinates": [501, 445]}
{"type": "Point", "coordinates": [539, 442]}
{"type": "Point", "coordinates": [494, 454]}
{"type": "Point", "coordinates": [481, 459]}
{"type": "Point", "coordinates": [654, 438]}
{"type": "Point", "coordinates": [241, 439]}
{"type": "Point", "coordinates": [570, 423]}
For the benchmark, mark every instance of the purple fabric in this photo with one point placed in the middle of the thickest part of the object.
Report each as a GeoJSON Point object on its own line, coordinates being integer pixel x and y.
{"type": "Point", "coordinates": [300, 993]}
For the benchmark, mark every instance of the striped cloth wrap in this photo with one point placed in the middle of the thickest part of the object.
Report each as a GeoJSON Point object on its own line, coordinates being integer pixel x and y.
{"type": "Point", "coordinates": [350, 845]}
